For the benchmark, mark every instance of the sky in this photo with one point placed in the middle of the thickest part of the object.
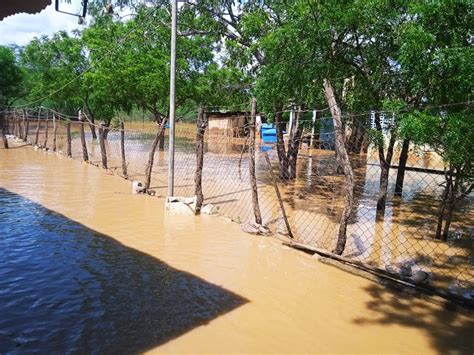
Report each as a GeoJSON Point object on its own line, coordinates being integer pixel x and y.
{"type": "Point", "coordinates": [19, 29]}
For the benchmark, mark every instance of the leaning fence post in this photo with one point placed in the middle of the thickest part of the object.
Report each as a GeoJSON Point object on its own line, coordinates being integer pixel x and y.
{"type": "Point", "coordinates": [151, 154]}
{"type": "Point", "coordinates": [201, 129]}
{"type": "Point", "coordinates": [122, 149]}
{"type": "Point", "coordinates": [45, 145]}
{"type": "Point", "coordinates": [85, 156]}
{"type": "Point", "coordinates": [38, 126]}
{"type": "Point", "coordinates": [280, 201]}
{"type": "Point", "coordinates": [103, 152]}
{"type": "Point", "coordinates": [253, 178]}
{"type": "Point", "coordinates": [68, 135]}
{"type": "Point", "coordinates": [343, 159]}
{"type": "Point", "coordinates": [55, 132]}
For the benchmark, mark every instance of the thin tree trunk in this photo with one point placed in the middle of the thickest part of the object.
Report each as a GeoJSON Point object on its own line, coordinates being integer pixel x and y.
{"type": "Point", "coordinates": [2, 128]}
{"type": "Point", "coordinates": [294, 146]}
{"type": "Point", "coordinates": [451, 204]}
{"type": "Point", "coordinates": [151, 155]}
{"type": "Point", "coordinates": [344, 161]}
{"type": "Point", "coordinates": [401, 167]}
{"type": "Point", "coordinates": [92, 124]}
{"type": "Point", "coordinates": [162, 140]}
{"type": "Point", "coordinates": [201, 130]}
{"type": "Point", "coordinates": [38, 127]}
{"type": "Point", "coordinates": [103, 151]}
{"type": "Point", "coordinates": [253, 178]}
{"type": "Point", "coordinates": [69, 139]}
{"type": "Point", "coordinates": [122, 149]}
{"type": "Point", "coordinates": [385, 162]}
{"type": "Point", "coordinates": [85, 155]}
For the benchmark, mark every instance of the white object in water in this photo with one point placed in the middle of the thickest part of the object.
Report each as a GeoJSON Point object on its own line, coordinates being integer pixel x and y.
{"type": "Point", "coordinates": [208, 209]}
{"type": "Point", "coordinates": [137, 187]}
{"type": "Point", "coordinates": [176, 205]}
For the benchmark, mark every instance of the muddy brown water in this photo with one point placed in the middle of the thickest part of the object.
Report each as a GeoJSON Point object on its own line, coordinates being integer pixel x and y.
{"type": "Point", "coordinates": [286, 301]}
{"type": "Point", "coordinates": [314, 201]}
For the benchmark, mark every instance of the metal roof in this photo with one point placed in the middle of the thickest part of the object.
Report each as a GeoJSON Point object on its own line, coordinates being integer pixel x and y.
{"type": "Point", "coordinates": [12, 7]}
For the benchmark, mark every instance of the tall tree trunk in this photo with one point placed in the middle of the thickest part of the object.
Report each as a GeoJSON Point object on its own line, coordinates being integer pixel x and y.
{"type": "Point", "coordinates": [151, 155]}
{"type": "Point", "coordinates": [201, 130]}
{"type": "Point", "coordinates": [162, 140]}
{"type": "Point", "coordinates": [280, 143]}
{"type": "Point", "coordinates": [253, 178]}
{"type": "Point", "coordinates": [344, 161]}
{"type": "Point", "coordinates": [92, 124]}
{"type": "Point", "coordinates": [401, 167]}
{"type": "Point", "coordinates": [294, 146]}
{"type": "Point", "coordinates": [451, 203]}
{"type": "Point", "coordinates": [385, 162]}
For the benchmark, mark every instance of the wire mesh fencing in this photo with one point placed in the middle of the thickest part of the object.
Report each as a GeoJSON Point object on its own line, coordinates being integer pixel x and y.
{"type": "Point", "coordinates": [394, 221]}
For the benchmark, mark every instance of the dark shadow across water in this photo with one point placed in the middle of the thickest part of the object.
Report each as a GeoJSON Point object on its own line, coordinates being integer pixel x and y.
{"type": "Point", "coordinates": [67, 288]}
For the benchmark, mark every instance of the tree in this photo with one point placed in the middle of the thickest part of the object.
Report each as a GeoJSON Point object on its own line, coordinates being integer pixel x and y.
{"type": "Point", "coordinates": [11, 77]}
{"type": "Point", "coordinates": [11, 84]}
{"type": "Point", "coordinates": [451, 135]}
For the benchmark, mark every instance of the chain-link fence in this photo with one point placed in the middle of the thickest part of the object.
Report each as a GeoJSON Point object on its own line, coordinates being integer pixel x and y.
{"type": "Point", "coordinates": [394, 214]}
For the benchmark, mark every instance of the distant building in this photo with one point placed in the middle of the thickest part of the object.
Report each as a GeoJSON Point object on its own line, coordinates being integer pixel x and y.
{"type": "Point", "coordinates": [229, 124]}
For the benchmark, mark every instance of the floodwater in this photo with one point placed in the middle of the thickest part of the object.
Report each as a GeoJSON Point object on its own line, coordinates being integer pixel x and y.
{"type": "Point", "coordinates": [85, 266]}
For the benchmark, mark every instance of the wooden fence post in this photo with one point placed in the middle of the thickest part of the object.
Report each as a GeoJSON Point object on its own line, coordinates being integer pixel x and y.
{"type": "Point", "coordinates": [122, 149]}
{"type": "Point", "coordinates": [38, 126]}
{"type": "Point", "coordinates": [151, 155]}
{"type": "Point", "coordinates": [68, 135]}
{"type": "Point", "coordinates": [85, 156]}
{"type": "Point", "coordinates": [280, 200]}
{"type": "Point", "coordinates": [201, 130]}
{"type": "Point", "coordinates": [253, 178]}
{"type": "Point", "coordinates": [2, 128]}
{"type": "Point", "coordinates": [103, 152]}
{"type": "Point", "coordinates": [23, 123]}
{"type": "Point", "coordinates": [27, 128]}
{"type": "Point", "coordinates": [45, 145]}
{"type": "Point", "coordinates": [55, 132]}
{"type": "Point", "coordinates": [17, 126]}
{"type": "Point", "coordinates": [343, 159]}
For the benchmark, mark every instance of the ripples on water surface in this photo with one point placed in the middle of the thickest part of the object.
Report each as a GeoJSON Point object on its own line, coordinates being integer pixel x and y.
{"type": "Point", "coordinates": [66, 288]}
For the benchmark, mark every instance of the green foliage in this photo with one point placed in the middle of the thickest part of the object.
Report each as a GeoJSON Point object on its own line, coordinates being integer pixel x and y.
{"type": "Point", "coordinates": [11, 77]}
{"type": "Point", "coordinates": [450, 134]}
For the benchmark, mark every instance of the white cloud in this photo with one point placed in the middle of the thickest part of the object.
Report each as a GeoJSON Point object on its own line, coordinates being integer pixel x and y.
{"type": "Point", "coordinates": [21, 28]}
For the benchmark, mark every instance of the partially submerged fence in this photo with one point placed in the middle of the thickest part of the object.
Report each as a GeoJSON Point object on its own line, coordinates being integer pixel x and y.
{"type": "Point", "coordinates": [297, 187]}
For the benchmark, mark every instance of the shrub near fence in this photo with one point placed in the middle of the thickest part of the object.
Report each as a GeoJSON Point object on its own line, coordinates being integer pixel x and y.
{"type": "Point", "coordinates": [300, 195]}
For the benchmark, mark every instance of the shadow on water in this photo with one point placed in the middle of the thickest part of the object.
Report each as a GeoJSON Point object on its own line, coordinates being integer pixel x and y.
{"type": "Point", "coordinates": [447, 332]}
{"type": "Point", "coordinates": [67, 288]}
